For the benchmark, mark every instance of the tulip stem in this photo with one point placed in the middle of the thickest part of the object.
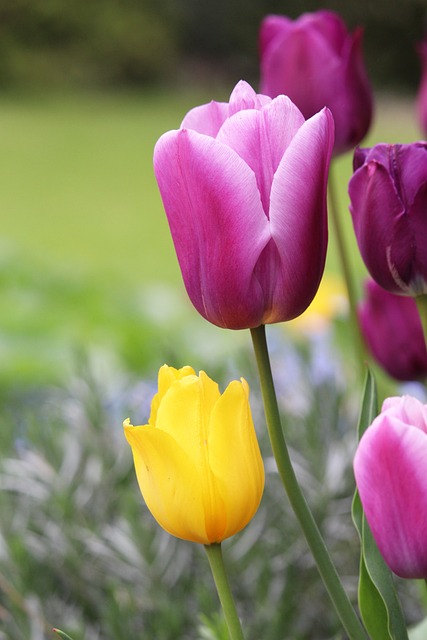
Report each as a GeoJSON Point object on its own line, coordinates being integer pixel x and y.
{"type": "Point", "coordinates": [422, 312]}
{"type": "Point", "coordinates": [340, 600]}
{"type": "Point", "coordinates": [346, 271]}
{"type": "Point", "coordinates": [219, 573]}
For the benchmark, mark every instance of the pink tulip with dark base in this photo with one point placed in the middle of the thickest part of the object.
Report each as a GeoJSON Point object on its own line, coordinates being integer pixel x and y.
{"type": "Point", "coordinates": [388, 193]}
{"type": "Point", "coordinates": [390, 469]}
{"type": "Point", "coordinates": [392, 329]}
{"type": "Point", "coordinates": [244, 188]}
{"type": "Point", "coordinates": [316, 62]}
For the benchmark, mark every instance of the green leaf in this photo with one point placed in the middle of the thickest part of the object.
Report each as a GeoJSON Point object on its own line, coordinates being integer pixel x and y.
{"type": "Point", "coordinates": [378, 602]}
{"type": "Point", "coordinates": [62, 635]}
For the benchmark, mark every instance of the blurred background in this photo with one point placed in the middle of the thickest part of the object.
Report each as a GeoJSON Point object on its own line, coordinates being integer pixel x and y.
{"type": "Point", "coordinates": [91, 304]}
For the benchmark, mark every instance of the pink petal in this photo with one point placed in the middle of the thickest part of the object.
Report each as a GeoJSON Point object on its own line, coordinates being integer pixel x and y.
{"type": "Point", "coordinates": [207, 119]}
{"type": "Point", "coordinates": [261, 138]}
{"type": "Point", "coordinates": [390, 468]}
{"type": "Point", "coordinates": [217, 223]}
{"type": "Point", "coordinates": [298, 214]}
{"type": "Point", "coordinates": [408, 409]}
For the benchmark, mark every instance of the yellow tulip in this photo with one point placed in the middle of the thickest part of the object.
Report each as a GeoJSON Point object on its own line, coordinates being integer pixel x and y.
{"type": "Point", "coordinates": [197, 461]}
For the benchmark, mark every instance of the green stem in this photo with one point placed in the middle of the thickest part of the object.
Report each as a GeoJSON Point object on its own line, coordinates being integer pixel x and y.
{"type": "Point", "coordinates": [346, 613]}
{"type": "Point", "coordinates": [219, 573]}
{"type": "Point", "coordinates": [346, 272]}
{"type": "Point", "coordinates": [422, 312]}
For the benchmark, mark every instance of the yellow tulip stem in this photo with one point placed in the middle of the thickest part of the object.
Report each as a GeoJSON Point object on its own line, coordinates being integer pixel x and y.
{"type": "Point", "coordinates": [422, 312]}
{"type": "Point", "coordinates": [346, 269]}
{"type": "Point", "coordinates": [329, 575]}
{"type": "Point", "coordinates": [216, 561]}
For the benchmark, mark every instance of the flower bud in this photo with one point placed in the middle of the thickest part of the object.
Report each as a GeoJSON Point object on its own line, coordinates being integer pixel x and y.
{"type": "Point", "coordinates": [390, 469]}
{"type": "Point", "coordinates": [316, 62]}
{"type": "Point", "coordinates": [244, 189]}
{"type": "Point", "coordinates": [392, 329]}
{"type": "Point", "coordinates": [388, 194]}
{"type": "Point", "coordinates": [197, 461]}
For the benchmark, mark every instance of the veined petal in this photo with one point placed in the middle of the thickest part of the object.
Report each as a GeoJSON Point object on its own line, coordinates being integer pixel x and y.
{"type": "Point", "coordinates": [261, 137]}
{"type": "Point", "coordinates": [234, 456]}
{"type": "Point", "coordinates": [298, 215]}
{"type": "Point", "coordinates": [390, 466]}
{"type": "Point", "coordinates": [207, 118]}
{"type": "Point", "coordinates": [159, 461]}
{"type": "Point", "coordinates": [217, 223]}
{"type": "Point", "coordinates": [408, 409]}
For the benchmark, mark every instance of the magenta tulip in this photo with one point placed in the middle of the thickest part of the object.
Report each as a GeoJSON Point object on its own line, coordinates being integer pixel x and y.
{"type": "Point", "coordinates": [316, 62]}
{"type": "Point", "coordinates": [390, 469]}
{"type": "Point", "coordinates": [388, 193]}
{"type": "Point", "coordinates": [393, 332]}
{"type": "Point", "coordinates": [422, 91]}
{"type": "Point", "coordinates": [244, 188]}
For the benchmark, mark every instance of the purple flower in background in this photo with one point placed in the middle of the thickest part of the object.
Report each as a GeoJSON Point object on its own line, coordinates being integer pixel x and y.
{"type": "Point", "coordinates": [388, 194]}
{"type": "Point", "coordinates": [244, 188]}
{"type": "Point", "coordinates": [422, 91]}
{"type": "Point", "coordinates": [316, 62]}
{"type": "Point", "coordinates": [390, 469]}
{"type": "Point", "coordinates": [392, 329]}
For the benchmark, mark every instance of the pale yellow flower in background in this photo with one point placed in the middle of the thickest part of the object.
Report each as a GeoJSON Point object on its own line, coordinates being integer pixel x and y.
{"type": "Point", "coordinates": [197, 461]}
{"type": "Point", "coordinates": [329, 303]}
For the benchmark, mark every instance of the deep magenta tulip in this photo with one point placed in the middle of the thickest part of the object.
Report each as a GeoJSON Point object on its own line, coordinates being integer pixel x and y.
{"type": "Point", "coordinates": [422, 91]}
{"type": "Point", "coordinates": [388, 194]}
{"type": "Point", "coordinates": [316, 62]}
{"type": "Point", "coordinates": [393, 332]}
{"type": "Point", "coordinates": [390, 469]}
{"type": "Point", "coordinates": [244, 188]}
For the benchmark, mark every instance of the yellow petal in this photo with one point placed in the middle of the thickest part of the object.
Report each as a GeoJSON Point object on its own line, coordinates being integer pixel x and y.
{"type": "Point", "coordinates": [235, 458]}
{"type": "Point", "coordinates": [166, 377]}
{"type": "Point", "coordinates": [169, 482]}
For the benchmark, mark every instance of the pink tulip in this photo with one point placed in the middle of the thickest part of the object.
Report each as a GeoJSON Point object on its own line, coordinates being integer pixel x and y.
{"type": "Point", "coordinates": [316, 62]}
{"type": "Point", "coordinates": [422, 91]}
{"type": "Point", "coordinates": [392, 329]}
{"type": "Point", "coordinates": [244, 188]}
{"type": "Point", "coordinates": [388, 194]}
{"type": "Point", "coordinates": [390, 468]}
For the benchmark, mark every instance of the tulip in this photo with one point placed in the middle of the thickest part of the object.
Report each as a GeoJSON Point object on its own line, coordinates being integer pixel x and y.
{"type": "Point", "coordinates": [422, 91]}
{"type": "Point", "coordinates": [197, 460]}
{"type": "Point", "coordinates": [244, 188]}
{"type": "Point", "coordinates": [393, 332]}
{"type": "Point", "coordinates": [388, 194]}
{"type": "Point", "coordinates": [316, 62]}
{"type": "Point", "coordinates": [390, 469]}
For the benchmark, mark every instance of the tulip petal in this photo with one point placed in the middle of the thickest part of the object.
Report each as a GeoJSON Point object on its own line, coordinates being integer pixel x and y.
{"type": "Point", "coordinates": [234, 456]}
{"type": "Point", "coordinates": [217, 223]}
{"type": "Point", "coordinates": [390, 466]}
{"type": "Point", "coordinates": [159, 461]}
{"type": "Point", "coordinates": [408, 409]}
{"type": "Point", "coordinates": [298, 214]}
{"type": "Point", "coordinates": [379, 221]}
{"type": "Point", "coordinates": [167, 376]}
{"type": "Point", "coordinates": [207, 118]}
{"type": "Point", "coordinates": [261, 138]}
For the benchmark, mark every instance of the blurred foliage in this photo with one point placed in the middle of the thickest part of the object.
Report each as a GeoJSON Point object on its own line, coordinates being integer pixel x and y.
{"type": "Point", "coordinates": [79, 550]}
{"type": "Point", "coordinates": [133, 42]}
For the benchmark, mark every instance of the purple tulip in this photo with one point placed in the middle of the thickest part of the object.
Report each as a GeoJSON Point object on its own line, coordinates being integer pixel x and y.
{"type": "Point", "coordinates": [390, 469]}
{"type": "Point", "coordinates": [393, 332]}
{"type": "Point", "coordinates": [422, 91]}
{"type": "Point", "coordinates": [244, 188]}
{"type": "Point", "coordinates": [388, 194]}
{"type": "Point", "coordinates": [316, 62]}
